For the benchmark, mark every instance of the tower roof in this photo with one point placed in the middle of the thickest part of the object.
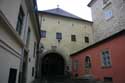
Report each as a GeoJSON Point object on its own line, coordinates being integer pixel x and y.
{"type": "Point", "coordinates": [63, 13]}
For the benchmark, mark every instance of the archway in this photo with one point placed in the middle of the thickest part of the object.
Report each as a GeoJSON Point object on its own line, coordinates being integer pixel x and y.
{"type": "Point", "coordinates": [52, 65]}
{"type": "Point", "coordinates": [88, 65]}
{"type": "Point", "coordinates": [87, 62]}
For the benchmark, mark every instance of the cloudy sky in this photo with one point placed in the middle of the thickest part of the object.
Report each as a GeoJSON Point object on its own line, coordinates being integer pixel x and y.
{"type": "Point", "coordinates": [76, 7]}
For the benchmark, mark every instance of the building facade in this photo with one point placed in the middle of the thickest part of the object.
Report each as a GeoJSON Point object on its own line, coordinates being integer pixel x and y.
{"type": "Point", "coordinates": [19, 37]}
{"type": "Point", "coordinates": [108, 17]}
{"type": "Point", "coordinates": [64, 33]}
{"type": "Point", "coordinates": [102, 60]}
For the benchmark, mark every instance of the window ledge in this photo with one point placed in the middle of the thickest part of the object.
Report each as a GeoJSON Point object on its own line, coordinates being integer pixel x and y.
{"type": "Point", "coordinates": [104, 67]}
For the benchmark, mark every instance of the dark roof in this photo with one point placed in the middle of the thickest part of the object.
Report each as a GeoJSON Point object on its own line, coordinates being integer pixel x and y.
{"type": "Point", "coordinates": [63, 13]}
{"type": "Point", "coordinates": [91, 2]}
{"type": "Point", "coordinates": [100, 42]}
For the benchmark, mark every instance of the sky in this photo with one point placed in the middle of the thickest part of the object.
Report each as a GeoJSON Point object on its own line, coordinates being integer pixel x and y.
{"type": "Point", "coordinates": [76, 7]}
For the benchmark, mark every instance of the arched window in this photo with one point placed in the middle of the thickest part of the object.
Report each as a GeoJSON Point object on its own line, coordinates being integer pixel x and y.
{"type": "Point", "coordinates": [87, 62]}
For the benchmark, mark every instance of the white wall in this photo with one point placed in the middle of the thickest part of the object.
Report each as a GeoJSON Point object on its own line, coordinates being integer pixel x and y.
{"type": "Point", "coordinates": [10, 9]}
{"type": "Point", "coordinates": [106, 27]}
{"type": "Point", "coordinates": [7, 61]}
{"type": "Point", "coordinates": [10, 53]}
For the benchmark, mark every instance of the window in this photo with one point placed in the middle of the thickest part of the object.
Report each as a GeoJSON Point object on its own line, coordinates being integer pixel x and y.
{"type": "Point", "coordinates": [76, 74]}
{"type": "Point", "coordinates": [108, 79]}
{"type": "Point", "coordinates": [105, 1]}
{"type": "Point", "coordinates": [106, 59]}
{"type": "Point", "coordinates": [67, 68]}
{"type": "Point", "coordinates": [12, 75]}
{"type": "Point", "coordinates": [35, 46]}
{"type": "Point", "coordinates": [58, 35]}
{"type": "Point", "coordinates": [29, 59]}
{"type": "Point", "coordinates": [28, 37]}
{"type": "Point", "coordinates": [43, 19]}
{"type": "Point", "coordinates": [20, 21]}
{"type": "Point", "coordinates": [108, 14]}
{"type": "Point", "coordinates": [75, 65]}
{"type": "Point", "coordinates": [58, 22]}
{"type": "Point", "coordinates": [86, 39]}
{"type": "Point", "coordinates": [32, 71]}
{"type": "Point", "coordinates": [43, 34]}
{"type": "Point", "coordinates": [73, 37]}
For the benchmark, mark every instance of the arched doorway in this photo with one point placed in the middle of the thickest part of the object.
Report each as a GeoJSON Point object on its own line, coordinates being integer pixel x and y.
{"type": "Point", "coordinates": [52, 65]}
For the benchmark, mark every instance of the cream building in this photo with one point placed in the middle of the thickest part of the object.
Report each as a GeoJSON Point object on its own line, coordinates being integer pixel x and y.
{"type": "Point", "coordinates": [62, 34]}
{"type": "Point", "coordinates": [108, 17]}
{"type": "Point", "coordinates": [19, 37]}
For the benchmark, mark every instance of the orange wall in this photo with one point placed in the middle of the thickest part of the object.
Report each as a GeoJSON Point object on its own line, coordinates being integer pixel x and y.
{"type": "Point", "coordinates": [116, 47]}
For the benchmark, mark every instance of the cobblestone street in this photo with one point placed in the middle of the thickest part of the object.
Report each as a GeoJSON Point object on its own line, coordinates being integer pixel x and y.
{"type": "Point", "coordinates": [64, 80]}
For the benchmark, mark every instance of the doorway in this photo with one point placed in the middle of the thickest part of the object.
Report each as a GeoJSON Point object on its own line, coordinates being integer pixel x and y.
{"type": "Point", "coordinates": [52, 65]}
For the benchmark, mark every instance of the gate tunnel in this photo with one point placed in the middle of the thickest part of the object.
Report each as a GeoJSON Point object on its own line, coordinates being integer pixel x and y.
{"type": "Point", "coordinates": [52, 65]}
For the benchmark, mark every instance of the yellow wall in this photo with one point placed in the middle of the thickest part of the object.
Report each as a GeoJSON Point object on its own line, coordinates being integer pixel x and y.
{"type": "Point", "coordinates": [65, 46]}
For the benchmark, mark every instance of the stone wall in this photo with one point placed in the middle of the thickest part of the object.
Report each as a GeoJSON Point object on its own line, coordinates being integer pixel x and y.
{"type": "Point", "coordinates": [108, 18]}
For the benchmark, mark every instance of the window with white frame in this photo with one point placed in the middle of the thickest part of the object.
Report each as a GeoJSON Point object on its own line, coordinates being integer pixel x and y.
{"type": "Point", "coordinates": [108, 14]}
{"type": "Point", "coordinates": [106, 61]}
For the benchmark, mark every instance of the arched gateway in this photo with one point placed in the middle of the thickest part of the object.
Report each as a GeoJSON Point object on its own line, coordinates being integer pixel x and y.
{"type": "Point", "coordinates": [52, 64]}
